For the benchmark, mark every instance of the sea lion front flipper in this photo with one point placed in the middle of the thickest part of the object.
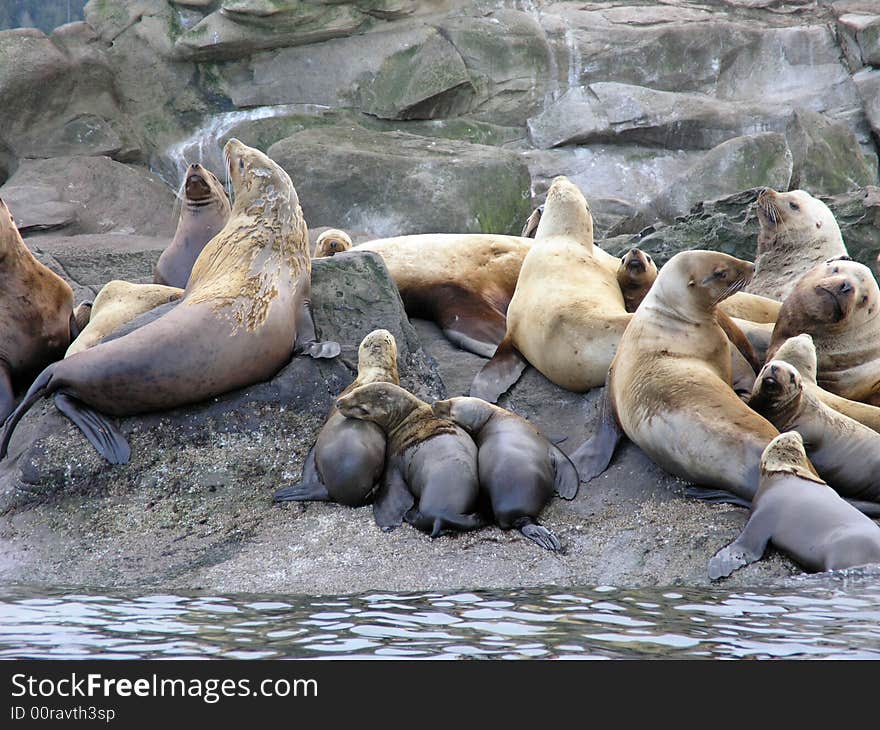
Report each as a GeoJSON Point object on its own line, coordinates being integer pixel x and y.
{"type": "Point", "coordinates": [594, 455]}
{"type": "Point", "coordinates": [392, 500]}
{"type": "Point", "coordinates": [102, 434]}
{"type": "Point", "coordinates": [500, 373]}
{"type": "Point", "coordinates": [307, 339]}
{"type": "Point", "coordinates": [746, 549]}
{"type": "Point", "coordinates": [715, 496]}
{"type": "Point", "coordinates": [471, 323]}
{"type": "Point", "coordinates": [567, 481]}
{"type": "Point", "coordinates": [738, 339]}
{"type": "Point", "coordinates": [7, 395]}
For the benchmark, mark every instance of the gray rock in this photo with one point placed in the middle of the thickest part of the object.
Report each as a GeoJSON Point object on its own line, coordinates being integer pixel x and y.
{"type": "Point", "coordinates": [395, 183]}
{"type": "Point", "coordinates": [867, 82]}
{"type": "Point", "coordinates": [39, 208]}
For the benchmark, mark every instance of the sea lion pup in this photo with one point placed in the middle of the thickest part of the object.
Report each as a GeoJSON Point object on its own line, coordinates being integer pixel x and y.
{"type": "Point", "coordinates": [797, 231]}
{"type": "Point", "coordinates": [636, 274]}
{"type": "Point", "coordinates": [567, 313]}
{"type": "Point", "coordinates": [838, 304]}
{"type": "Point", "coordinates": [203, 213]}
{"type": "Point", "coordinates": [519, 468]}
{"type": "Point", "coordinates": [427, 458]}
{"type": "Point", "coordinates": [531, 224]}
{"type": "Point", "coordinates": [801, 353]}
{"type": "Point", "coordinates": [346, 462]}
{"type": "Point", "coordinates": [245, 311]}
{"type": "Point", "coordinates": [36, 311]}
{"type": "Point", "coordinates": [119, 302]}
{"type": "Point", "coordinates": [845, 453]}
{"type": "Point", "coordinates": [331, 242]}
{"type": "Point", "coordinates": [669, 386]}
{"type": "Point", "coordinates": [802, 516]}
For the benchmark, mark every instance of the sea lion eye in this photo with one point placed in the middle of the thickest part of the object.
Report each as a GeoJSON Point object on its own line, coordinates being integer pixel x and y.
{"type": "Point", "coordinates": [240, 164]}
{"type": "Point", "coordinates": [720, 274]}
{"type": "Point", "coordinates": [794, 206]}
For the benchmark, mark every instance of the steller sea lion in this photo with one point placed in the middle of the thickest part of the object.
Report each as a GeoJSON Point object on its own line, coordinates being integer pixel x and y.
{"type": "Point", "coordinates": [203, 213]}
{"type": "Point", "coordinates": [245, 311]}
{"type": "Point", "coordinates": [346, 462]}
{"type": "Point", "coordinates": [669, 385]}
{"type": "Point", "coordinates": [802, 516]}
{"type": "Point", "coordinates": [36, 311]}
{"type": "Point", "coordinates": [519, 469]}
{"type": "Point", "coordinates": [845, 453]}
{"type": "Point", "coordinates": [801, 353]}
{"type": "Point", "coordinates": [636, 274]}
{"type": "Point", "coordinates": [797, 232]}
{"type": "Point", "coordinates": [117, 303]}
{"type": "Point", "coordinates": [331, 242]}
{"type": "Point", "coordinates": [427, 458]}
{"type": "Point", "coordinates": [838, 304]}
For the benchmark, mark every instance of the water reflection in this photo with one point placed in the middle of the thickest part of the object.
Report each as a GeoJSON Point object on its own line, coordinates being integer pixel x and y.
{"type": "Point", "coordinates": [831, 617]}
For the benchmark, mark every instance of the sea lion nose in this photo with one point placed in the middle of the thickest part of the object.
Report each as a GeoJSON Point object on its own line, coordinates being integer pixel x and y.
{"type": "Point", "coordinates": [845, 287]}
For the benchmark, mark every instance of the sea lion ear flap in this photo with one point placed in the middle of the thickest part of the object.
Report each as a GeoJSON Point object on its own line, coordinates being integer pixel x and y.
{"type": "Point", "coordinates": [842, 257]}
{"type": "Point", "coordinates": [692, 281]}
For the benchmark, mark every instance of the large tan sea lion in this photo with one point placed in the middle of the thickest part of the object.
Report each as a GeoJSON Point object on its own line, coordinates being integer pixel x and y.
{"type": "Point", "coordinates": [347, 460]}
{"type": "Point", "coordinates": [797, 231]}
{"type": "Point", "coordinates": [838, 303]}
{"type": "Point", "coordinates": [802, 516]}
{"type": "Point", "coordinates": [245, 311]}
{"type": "Point", "coordinates": [669, 385]}
{"type": "Point", "coordinates": [203, 213]}
{"type": "Point", "coordinates": [36, 312]}
{"type": "Point", "coordinates": [331, 242]}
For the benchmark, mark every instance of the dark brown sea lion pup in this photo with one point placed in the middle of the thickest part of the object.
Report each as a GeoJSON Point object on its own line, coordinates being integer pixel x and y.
{"type": "Point", "coordinates": [801, 353]}
{"type": "Point", "coordinates": [802, 516]}
{"type": "Point", "coordinates": [36, 311]}
{"type": "Point", "coordinates": [838, 304]}
{"type": "Point", "coordinates": [797, 232]}
{"type": "Point", "coordinates": [845, 453]}
{"type": "Point", "coordinates": [331, 242]}
{"type": "Point", "coordinates": [636, 274]}
{"type": "Point", "coordinates": [428, 459]}
{"type": "Point", "coordinates": [346, 462]}
{"type": "Point", "coordinates": [519, 469]}
{"type": "Point", "coordinates": [245, 311]}
{"type": "Point", "coordinates": [669, 386]}
{"type": "Point", "coordinates": [203, 213]}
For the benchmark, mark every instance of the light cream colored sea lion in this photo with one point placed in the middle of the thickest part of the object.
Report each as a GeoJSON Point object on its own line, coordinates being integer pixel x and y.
{"type": "Point", "coordinates": [36, 311]}
{"type": "Point", "coordinates": [802, 516]}
{"type": "Point", "coordinates": [845, 453]}
{"type": "Point", "coordinates": [330, 242]}
{"type": "Point", "coordinates": [117, 303]}
{"type": "Point", "coordinates": [801, 353]}
{"type": "Point", "coordinates": [567, 313]}
{"type": "Point", "coordinates": [838, 303]}
{"type": "Point", "coordinates": [203, 213]}
{"type": "Point", "coordinates": [245, 311]}
{"type": "Point", "coordinates": [669, 385]}
{"type": "Point", "coordinates": [797, 232]}
{"type": "Point", "coordinates": [347, 460]}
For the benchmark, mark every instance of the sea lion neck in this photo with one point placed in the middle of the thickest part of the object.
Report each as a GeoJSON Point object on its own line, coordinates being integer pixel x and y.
{"type": "Point", "coordinates": [378, 374]}
{"type": "Point", "coordinates": [472, 414]}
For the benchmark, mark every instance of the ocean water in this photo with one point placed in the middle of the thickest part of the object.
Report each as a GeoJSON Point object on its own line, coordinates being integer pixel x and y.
{"type": "Point", "coordinates": [827, 616]}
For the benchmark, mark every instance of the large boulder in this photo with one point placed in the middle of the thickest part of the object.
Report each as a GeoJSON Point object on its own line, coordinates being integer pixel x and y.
{"type": "Point", "coordinates": [90, 195]}
{"type": "Point", "coordinates": [394, 183]}
{"type": "Point", "coordinates": [867, 81]}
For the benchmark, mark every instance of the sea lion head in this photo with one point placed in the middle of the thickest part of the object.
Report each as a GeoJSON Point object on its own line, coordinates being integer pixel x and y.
{"type": "Point", "coordinates": [795, 212]}
{"type": "Point", "coordinates": [566, 213]}
{"type": "Point", "coordinates": [330, 242]}
{"type": "Point", "coordinates": [378, 353]}
{"type": "Point", "coordinates": [836, 291]}
{"type": "Point", "coordinates": [692, 283]}
{"type": "Point", "coordinates": [201, 187]}
{"type": "Point", "coordinates": [469, 413]}
{"type": "Point", "coordinates": [258, 182]}
{"type": "Point", "coordinates": [10, 238]}
{"type": "Point", "coordinates": [777, 389]}
{"type": "Point", "coordinates": [635, 275]}
{"type": "Point", "coordinates": [801, 353]}
{"type": "Point", "coordinates": [785, 455]}
{"type": "Point", "coordinates": [528, 230]}
{"type": "Point", "coordinates": [385, 404]}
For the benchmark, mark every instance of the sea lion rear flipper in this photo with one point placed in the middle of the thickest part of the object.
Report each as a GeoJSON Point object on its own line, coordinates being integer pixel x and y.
{"type": "Point", "coordinates": [100, 432]}
{"type": "Point", "coordinates": [540, 535]}
{"type": "Point", "coordinates": [311, 489]}
{"type": "Point", "coordinates": [716, 496]}
{"type": "Point", "coordinates": [746, 549]}
{"type": "Point", "coordinates": [472, 323]}
{"type": "Point", "coordinates": [392, 500]}
{"type": "Point", "coordinates": [436, 525]}
{"type": "Point", "coordinates": [40, 388]}
{"type": "Point", "coordinates": [500, 373]}
{"type": "Point", "coordinates": [7, 396]}
{"type": "Point", "coordinates": [566, 482]}
{"type": "Point", "coordinates": [594, 455]}
{"type": "Point", "coordinates": [307, 339]}
{"type": "Point", "coordinates": [871, 509]}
